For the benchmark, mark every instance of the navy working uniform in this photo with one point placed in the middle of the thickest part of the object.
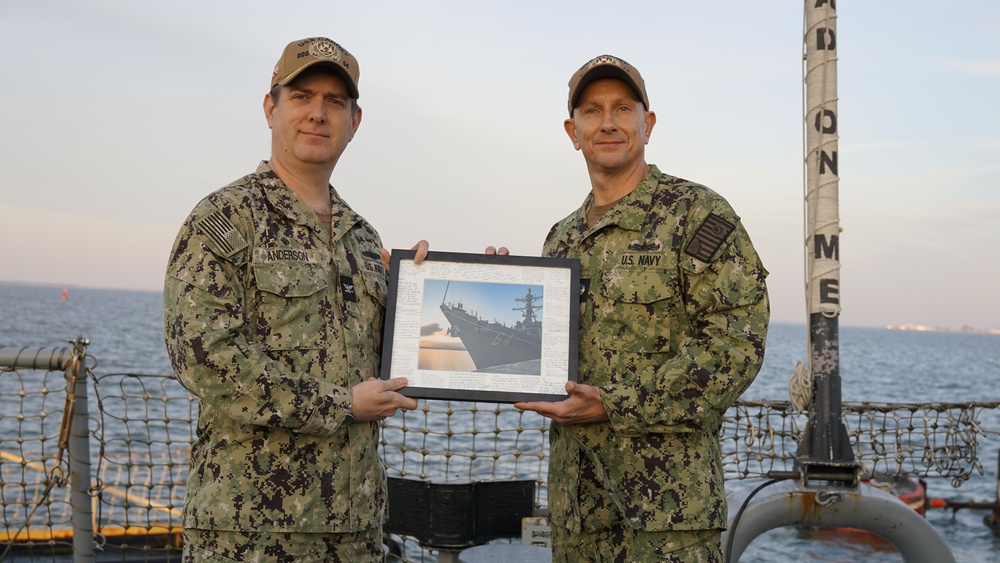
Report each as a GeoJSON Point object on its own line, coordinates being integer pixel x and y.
{"type": "Point", "coordinates": [673, 319]}
{"type": "Point", "coordinates": [270, 319]}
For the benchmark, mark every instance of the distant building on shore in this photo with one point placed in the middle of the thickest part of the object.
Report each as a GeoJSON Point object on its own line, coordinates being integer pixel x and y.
{"type": "Point", "coordinates": [964, 329]}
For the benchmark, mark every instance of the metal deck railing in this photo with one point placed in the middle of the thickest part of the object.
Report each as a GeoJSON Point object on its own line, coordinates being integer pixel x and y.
{"type": "Point", "coordinates": [139, 428]}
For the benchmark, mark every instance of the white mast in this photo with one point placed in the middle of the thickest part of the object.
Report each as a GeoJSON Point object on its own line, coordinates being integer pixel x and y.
{"type": "Point", "coordinates": [825, 446]}
{"type": "Point", "coordinates": [825, 489]}
{"type": "Point", "coordinates": [821, 160]}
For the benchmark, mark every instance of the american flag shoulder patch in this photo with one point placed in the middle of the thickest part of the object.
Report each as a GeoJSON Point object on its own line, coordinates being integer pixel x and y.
{"type": "Point", "coordinates": [222, 234]}
{"type": "Point", "coordinates": [709, 237]}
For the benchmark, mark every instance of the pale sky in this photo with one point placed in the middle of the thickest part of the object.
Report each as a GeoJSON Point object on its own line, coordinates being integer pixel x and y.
{"type": "Point", "coordinates": [119, 116]}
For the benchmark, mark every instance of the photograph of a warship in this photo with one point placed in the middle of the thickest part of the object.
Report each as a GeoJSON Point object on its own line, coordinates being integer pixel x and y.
{"type": "Point", "coordinates": [493, 343]}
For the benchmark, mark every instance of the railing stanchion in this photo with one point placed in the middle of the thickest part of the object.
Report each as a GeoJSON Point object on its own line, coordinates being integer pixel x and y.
{"type": "Point", "coordinates": [79, 457]}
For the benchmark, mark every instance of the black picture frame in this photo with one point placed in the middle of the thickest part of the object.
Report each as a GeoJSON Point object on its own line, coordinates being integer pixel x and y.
{"type": "Point", "coordinates": [474, 347]}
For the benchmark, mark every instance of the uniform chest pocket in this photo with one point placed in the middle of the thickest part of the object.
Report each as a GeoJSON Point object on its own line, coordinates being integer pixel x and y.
{"type": "Point", "coordinates": [292, 307]}
{"type": "Point", "coordinates": [634, 310]}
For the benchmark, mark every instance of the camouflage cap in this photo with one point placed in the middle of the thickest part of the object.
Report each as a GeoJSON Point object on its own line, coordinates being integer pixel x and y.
{"type": "Point", "coordinates": [606, 66]}
{"type": "Point", "coordinates": [302, 54]}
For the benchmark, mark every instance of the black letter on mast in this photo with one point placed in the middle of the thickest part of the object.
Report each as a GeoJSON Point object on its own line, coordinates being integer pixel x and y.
{"type": "Point", "coordinates": [829, 250]}
{"type": "Point", "coordinates": [832, 117]}
{"type": "Point", "coordinates": [821, 42]}
{"type": "Point", "coordinates": [828, 160]}
{"type": "Point", "coordinates": [829, 291]}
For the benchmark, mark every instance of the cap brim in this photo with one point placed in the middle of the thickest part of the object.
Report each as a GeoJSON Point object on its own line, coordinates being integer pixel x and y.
{"type": "Point", "coordinates": [351, 87]}
{"type": "Point", "coordinates": [606, 71]}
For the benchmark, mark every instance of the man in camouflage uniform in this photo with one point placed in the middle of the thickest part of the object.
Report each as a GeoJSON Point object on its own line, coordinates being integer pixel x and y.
{"type": "Point", "coordinates": [673, 317]}
{"type": "Point", "coordinates": [274, 299]}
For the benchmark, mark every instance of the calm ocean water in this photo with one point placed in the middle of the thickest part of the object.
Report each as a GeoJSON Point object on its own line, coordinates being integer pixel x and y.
{"type": "Point", "coordinates": [125, 332]}
{"type": "Point", "coordinates": [440, 359]}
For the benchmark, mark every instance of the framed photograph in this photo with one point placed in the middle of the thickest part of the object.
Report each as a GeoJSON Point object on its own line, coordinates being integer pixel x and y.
{"type": "Point", "coordinates": [480, 327]}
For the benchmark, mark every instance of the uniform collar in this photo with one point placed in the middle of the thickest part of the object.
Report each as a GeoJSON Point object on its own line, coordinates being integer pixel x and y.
{"type": "Point", "coordinates": [629, 213]}
{"type": "Point", "coordinates": [284, 200]}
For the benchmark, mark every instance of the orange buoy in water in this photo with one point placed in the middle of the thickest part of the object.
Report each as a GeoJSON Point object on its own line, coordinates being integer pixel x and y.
{"type": "Point", "coordinates": [64, 294]}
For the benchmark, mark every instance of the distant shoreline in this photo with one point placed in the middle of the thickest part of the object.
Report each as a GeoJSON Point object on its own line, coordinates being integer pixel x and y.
{"type": "Point", "coordinates": [902, 327]}
{"type": "Point", "coordinates": [75, 286]}
{"type": "Point", "coordinates": [962, 330]}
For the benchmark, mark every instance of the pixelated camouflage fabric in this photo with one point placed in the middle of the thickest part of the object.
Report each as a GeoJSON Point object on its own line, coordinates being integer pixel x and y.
{"type": "Point", "coordinates": [672, 340]}
{"type": "Point", "coordinates": [257, 326]}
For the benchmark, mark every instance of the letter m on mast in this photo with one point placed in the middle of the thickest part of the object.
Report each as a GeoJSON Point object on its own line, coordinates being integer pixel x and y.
{"type": "Point", "coordinates": [827, 248]}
